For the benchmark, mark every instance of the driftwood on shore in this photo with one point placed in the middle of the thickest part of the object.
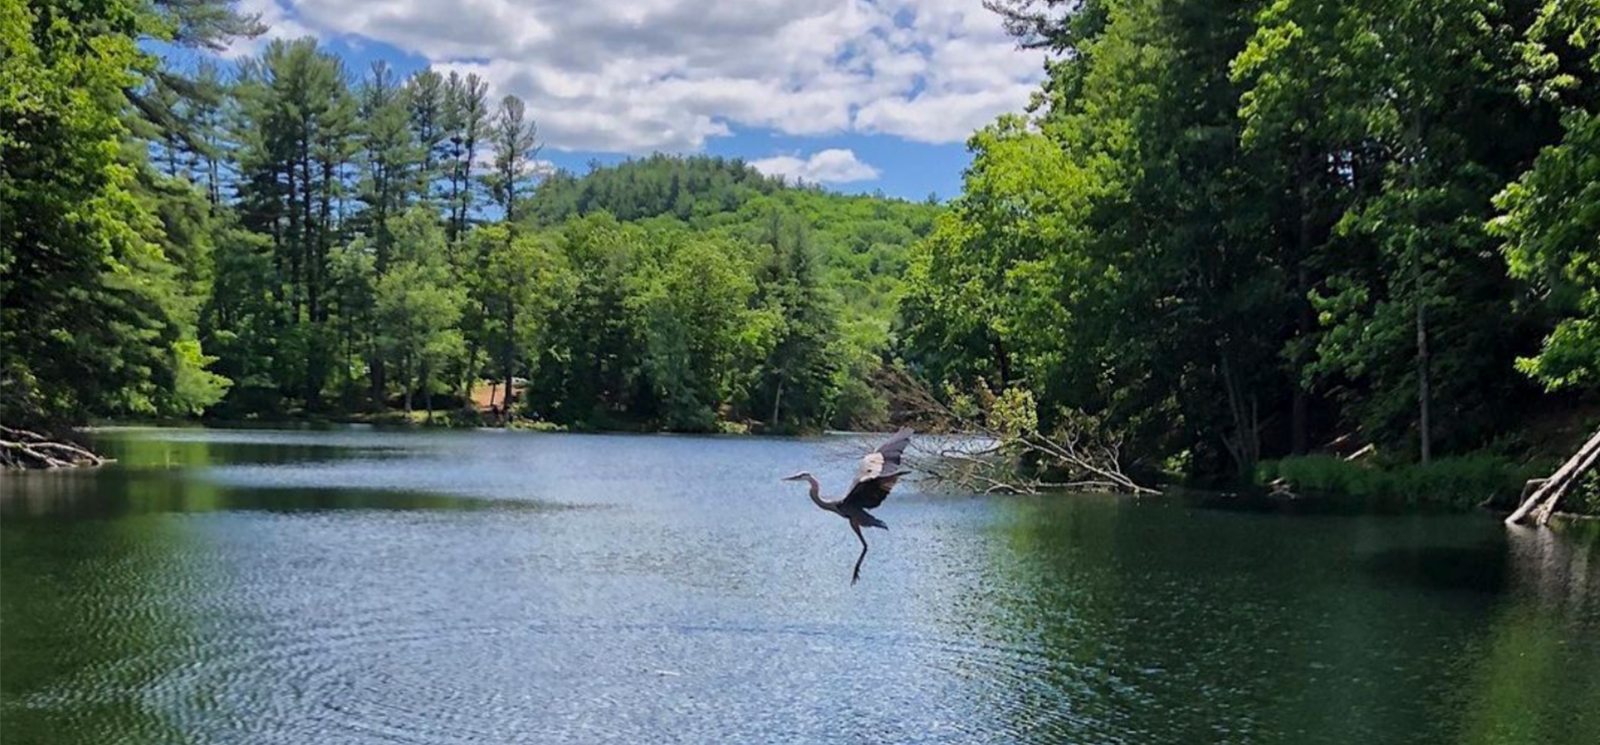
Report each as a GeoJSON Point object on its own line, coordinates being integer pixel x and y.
{"type": "Point", "coordinates": [20, 448]}
{"type": "Point", "coordinates": [1547, 495]}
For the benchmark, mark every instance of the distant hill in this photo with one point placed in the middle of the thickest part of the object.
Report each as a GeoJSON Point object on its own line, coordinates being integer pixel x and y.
{"type": "Point", "coordinates": [861, 239]}
{"type": "Point", "coordinates": [685, 188]}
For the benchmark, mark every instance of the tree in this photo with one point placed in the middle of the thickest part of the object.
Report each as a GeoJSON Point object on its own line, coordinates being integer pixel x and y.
{"type": "Point", "coordinates": [468, 122]}
{"type": "Point", "coordinates": [700, 329]}
{"type": "Point", "coordinates": [417, 306]}
{"type": "Point", "coordinates": [428, 104]}
{"type": "Point", "coordinates": [519, 284]}
{"type": "Point", "coordinates": [239, 321]}
{"type": "Point", "coordinates": [390, 155]}
{"type": "Point", "coordinates": [514, 139]}
{"type": "Point", "coordinates": [587, 369]}
{"type": "Point", "coordinates": [796, 382]}
{"type": "Point", "coordinates": [1108, 254]}
{"type": "Point", "coordinates": [352, 273]}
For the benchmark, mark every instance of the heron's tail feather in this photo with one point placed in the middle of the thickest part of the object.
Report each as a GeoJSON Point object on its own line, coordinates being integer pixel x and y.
{"type": "Point", "coordinates": [868, 520]}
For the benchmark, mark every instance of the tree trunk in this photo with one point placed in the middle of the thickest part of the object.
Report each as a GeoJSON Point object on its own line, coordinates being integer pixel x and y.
{"type": "Point", "coordinates": [1425, 429]}
{"type": "Point", "coordinates": [777, 398]}
{"type": "Point", "coordinates": [452, 228]}
{"type": "Point", "coordinates": [1245, 446]}
{"type": "Point", "coordinates": [410, 386]}
{"type": "Point", "coordinates": [510, 358]}
{"type": "Point", "coordinates": [1299, 427]}
{"type": "Point", "coordinates": [1002, 360]}
{"type": "Point", "coordinates": [308, 229]}
{"type": "Point", "coordinates": [349, 387]}
{"type": "Point", "coordinates": [380, 380]}
{"type": "Point", "coordinates": [1423, 393]}
{"type": "Point", "coordinates": [470, 375]}
{"type": "Point", "coordinates": [212, 179]}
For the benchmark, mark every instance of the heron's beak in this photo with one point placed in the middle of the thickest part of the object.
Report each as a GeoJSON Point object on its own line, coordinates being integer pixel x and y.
{"type": "Point", "coordinates": [795, 477]}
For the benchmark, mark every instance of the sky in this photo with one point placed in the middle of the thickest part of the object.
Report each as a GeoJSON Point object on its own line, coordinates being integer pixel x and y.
{"type": "Point", "coordinates": [856, 95]}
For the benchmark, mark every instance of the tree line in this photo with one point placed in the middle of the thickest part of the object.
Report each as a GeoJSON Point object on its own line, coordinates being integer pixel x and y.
{"type": "Point", "coordinates": [1230, 231]}
{"type": "Point", "coordinates": [288, 237]}
{"type": "Point", "coordinates": [1223, 232]}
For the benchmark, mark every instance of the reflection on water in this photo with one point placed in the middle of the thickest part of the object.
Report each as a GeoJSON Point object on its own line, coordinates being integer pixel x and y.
{"type": "Point", "coordinates": [247, 586]}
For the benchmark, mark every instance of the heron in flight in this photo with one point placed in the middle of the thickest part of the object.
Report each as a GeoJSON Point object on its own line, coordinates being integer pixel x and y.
{"type": "Point", "coordinates": [877, 474]}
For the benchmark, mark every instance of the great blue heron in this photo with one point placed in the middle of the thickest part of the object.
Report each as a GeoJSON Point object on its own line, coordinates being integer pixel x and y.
{"type": "Point", "coordinates": [877, 474]}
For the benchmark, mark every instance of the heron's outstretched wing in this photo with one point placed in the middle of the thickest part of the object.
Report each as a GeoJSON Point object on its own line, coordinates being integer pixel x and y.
{"type": "Point", "coordinates": [879, 471]}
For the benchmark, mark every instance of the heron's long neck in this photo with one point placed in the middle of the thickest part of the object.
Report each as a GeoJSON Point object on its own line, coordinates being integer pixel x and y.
{"type": "Point", "coordinates": [816, 493]}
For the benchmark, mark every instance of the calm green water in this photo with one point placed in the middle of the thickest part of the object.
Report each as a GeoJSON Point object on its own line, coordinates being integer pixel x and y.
{"type": "Point", "coordinates": [357, 586]}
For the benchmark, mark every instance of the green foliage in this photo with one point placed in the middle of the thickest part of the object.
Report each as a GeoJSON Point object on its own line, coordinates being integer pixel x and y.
{"type": "Point", "coordinates": [700, 331]}
{"type": "Point", "coordinates": [194, 387]}
{"type": "Point", "coordinates": [860, 241]}
{"type": "Point", "coordinates": [239, 320]}
{"type": "Point", "coordinates": [1552, 230]}
{"type": "Point", "coordinates": [1584, 498]}
{"type": "Point", "coordinates": [90, 308]}
{"type": "Point", "coordinates": [518, 282]}
{"type": "Point", "coordinates": [514, 138]}
{"type": "Point", "coordinates": [586, 372]}
{"type": "Point", "coordinates": [417, 307]}
{"type": "Point", "coordinates": [1235, 230]}
{"type": "Point", "coordinates": [814, 278]}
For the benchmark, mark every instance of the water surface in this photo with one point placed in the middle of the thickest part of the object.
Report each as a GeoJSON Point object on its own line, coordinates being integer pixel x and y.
{"type": "Point", "coordinates": [363, 586]}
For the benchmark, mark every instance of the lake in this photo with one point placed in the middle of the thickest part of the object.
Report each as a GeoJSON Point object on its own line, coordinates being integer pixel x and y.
{"type": "Point", "coordinates": [354, 585]}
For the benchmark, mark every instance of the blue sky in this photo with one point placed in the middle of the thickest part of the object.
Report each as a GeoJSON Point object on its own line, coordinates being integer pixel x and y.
{"type": "Point", "coordinates": [858, 95]}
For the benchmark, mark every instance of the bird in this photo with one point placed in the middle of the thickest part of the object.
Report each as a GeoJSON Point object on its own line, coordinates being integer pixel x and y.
{"type": "Point", "coordinates": [875, 477]}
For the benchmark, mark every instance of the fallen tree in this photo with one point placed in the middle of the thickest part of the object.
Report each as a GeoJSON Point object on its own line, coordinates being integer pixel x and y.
{"type": "Point", "coordinates": [21, 448]}
{"type": "Point", "coordinates": [992, 443]}
{"type": "Point", "coordinates": [1546, 497]}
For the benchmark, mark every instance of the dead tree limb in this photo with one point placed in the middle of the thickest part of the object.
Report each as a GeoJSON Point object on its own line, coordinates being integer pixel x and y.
{"type": "Point", "coordinates": [1547, 497]}
{"type": "Point", "coordinates": [20, 448]}
{"type": "Point", "coordinates": [999, 447]}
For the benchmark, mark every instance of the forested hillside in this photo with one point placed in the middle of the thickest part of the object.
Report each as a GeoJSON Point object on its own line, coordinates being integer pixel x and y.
{"type": "Point", "coordinates": [289, 237]}
{"type": "Point", "coordinates": [1238, 230]}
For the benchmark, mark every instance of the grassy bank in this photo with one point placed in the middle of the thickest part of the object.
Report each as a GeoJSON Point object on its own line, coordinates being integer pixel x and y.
{"type": "Point", "coordinates": [1460, 482]}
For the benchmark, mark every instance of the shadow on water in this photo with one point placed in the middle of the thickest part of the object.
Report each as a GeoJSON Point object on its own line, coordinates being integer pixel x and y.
{"type": "Point", "coordinates": [190, 448]}
{"type": "Point", "coordinates": [113, 494]}
{"type": "Point", "coordinates": [92, 611]}
{"type": "Point", "coordinates": [1250, 626]}
{"type": "Point", "coordinates": [1262, 502]}
{"type": "Point", "coordinates": [1482, 567]}
{"type": "Point", "coordinates": [203, 470]}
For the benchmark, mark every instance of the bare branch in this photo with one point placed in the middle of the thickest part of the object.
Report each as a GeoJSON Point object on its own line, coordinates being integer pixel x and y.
{"type": "Point", "coordinates": [25, 449]}
{"type": "Point", "coordinates": [994, 455]}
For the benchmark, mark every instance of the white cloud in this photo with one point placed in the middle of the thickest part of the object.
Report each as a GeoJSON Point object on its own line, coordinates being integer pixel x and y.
{"type": "Point", "coordinates": [280, 23]}
{"type": "Point", "coordinates": [832, 166]}
{"type": "Point", "coordinates": [645, 75]}
{"type": "Point", "coordinates": [483, 160]}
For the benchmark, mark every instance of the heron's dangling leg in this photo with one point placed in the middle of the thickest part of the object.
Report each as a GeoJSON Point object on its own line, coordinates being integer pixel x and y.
{"type": "Point", "coordinates": [854, 577]}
